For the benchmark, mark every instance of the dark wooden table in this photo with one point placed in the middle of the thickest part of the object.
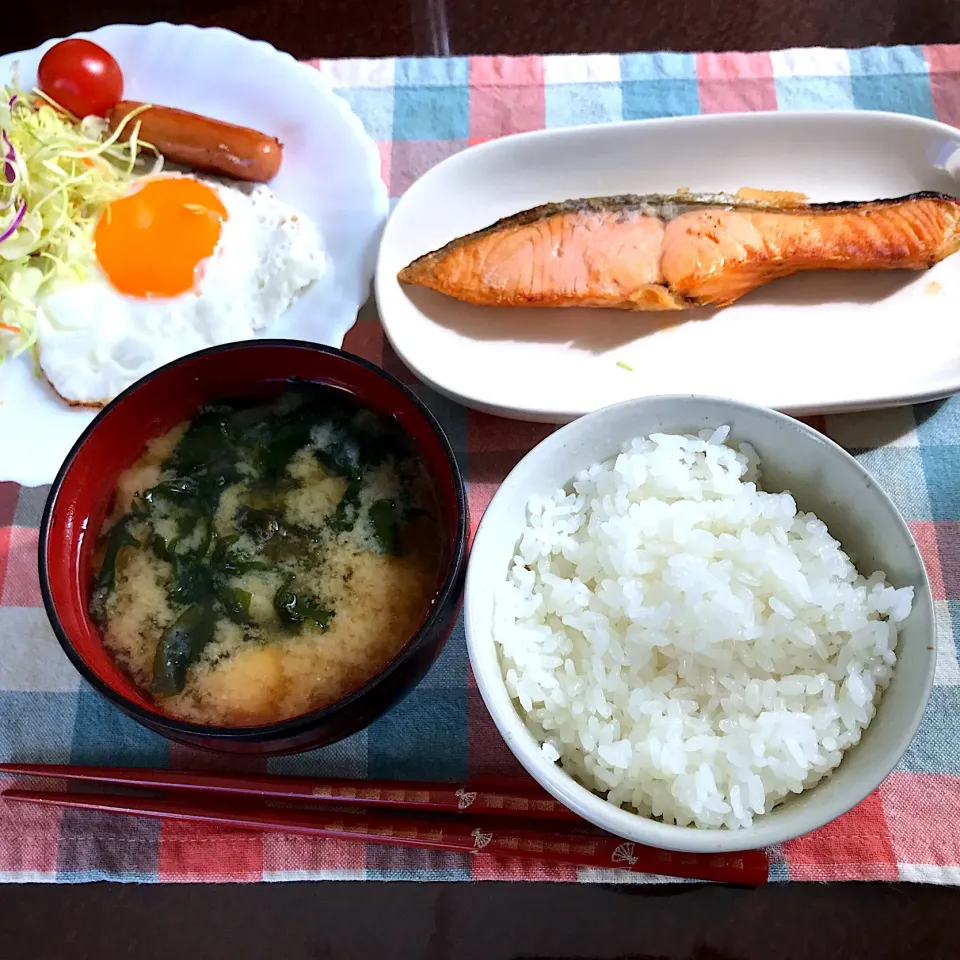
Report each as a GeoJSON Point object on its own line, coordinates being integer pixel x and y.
{"type": "Point", "coordinates": [378, 28]}
{"type": "Point", "coordinates": [310, 921]}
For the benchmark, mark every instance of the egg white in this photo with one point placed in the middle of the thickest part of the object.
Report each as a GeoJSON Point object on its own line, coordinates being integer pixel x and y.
{"type": "Point", "coordinates": [94, 341]}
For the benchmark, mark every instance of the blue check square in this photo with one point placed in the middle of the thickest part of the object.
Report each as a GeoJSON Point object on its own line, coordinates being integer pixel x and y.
{"type": "Point", "coordinates": [450, 669]}
{"type": "Point", "coordinates": [452, 415]}
{"type": "Point", "coordinates": [431, 113]}
{"type": "Point", "coordinates": [909, 93]}
{"type": "Point", "coordinates": [374, 107]}
{"type": "Point", "coordinates": [900, 472]}
{"type": "Point", "coordinates": [658, 66]}
{"type": "Point", "coordinates": [125, 847]}
{"type": "Point", "coordinates": [938, 422]}
{"type": "Point", "coordinates": [424, 737]}
{"type": "Point", "coordinates": [660, 98]}
{"type": "Point", "coordinates": [345, 758]}
{"type": "Point", "coordinates": [941, 465]}
{"type": "Point", "coordinates": [936, 747]}
{"type": "Point", "coordinates": [102, 735]}
{"type": "Point", "coordinates": [37, 727]}
{"type": "Point", "coordinates": [814, 93]}
{"type": "Point", "coordinates": [576, 104]}
{"type": "Point", "coordinates": [425, 866]}
{"type": "Point", "coordinates": [891, 63]}
{"type": "Point", "coordinates": [432, 72]}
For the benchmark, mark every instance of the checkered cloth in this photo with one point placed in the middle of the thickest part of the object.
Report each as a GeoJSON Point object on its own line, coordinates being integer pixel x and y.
{"type": "Point", "coordinates": [421, 111]}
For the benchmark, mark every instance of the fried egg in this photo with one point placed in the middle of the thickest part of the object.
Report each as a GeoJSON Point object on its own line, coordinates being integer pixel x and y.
{"type": "Point", "coordinates": [179, 264]}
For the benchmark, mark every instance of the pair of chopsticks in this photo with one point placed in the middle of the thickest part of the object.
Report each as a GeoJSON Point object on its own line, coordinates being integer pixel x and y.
{"type": "Point", "coordinates": [524, 823]}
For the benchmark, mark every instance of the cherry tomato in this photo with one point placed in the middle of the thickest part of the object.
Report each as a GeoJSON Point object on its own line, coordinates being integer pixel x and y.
{"type": "Point", "coordinates": [81, 77]}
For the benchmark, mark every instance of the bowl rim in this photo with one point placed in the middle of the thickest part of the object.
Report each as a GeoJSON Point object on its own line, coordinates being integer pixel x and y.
{"type": "Point", "coordinates": [593, 807]}
{"type": "Point", "coordinates": [446, 593]}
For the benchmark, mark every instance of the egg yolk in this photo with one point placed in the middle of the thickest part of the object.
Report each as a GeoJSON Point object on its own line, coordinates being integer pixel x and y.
{"type": "Point", "coordinates": [150, 243]}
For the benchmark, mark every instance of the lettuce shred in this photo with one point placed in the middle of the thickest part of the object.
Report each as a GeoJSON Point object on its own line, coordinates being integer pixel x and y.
{"type": "Point", "coordinates": [57, 174]}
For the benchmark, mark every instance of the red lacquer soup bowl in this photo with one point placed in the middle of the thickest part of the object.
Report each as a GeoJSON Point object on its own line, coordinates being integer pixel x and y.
{"type": "Point", "coordinates": [81, 498]}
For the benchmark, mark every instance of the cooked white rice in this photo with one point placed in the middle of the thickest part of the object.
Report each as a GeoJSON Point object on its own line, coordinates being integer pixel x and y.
{"type": "Point", "coordinates": [686, 644]}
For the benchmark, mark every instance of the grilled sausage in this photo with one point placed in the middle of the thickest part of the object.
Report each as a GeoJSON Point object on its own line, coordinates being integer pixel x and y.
{"type": "Point", "coordinates": [202, 143]}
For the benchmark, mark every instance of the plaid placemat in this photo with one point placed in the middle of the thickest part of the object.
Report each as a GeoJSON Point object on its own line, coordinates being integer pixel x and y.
{"type": "Point", "coordinates": [420, 112]}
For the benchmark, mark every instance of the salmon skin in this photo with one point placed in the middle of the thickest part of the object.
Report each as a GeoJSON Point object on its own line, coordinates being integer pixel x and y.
{"type": "Point", "coordinates": [673, 252]}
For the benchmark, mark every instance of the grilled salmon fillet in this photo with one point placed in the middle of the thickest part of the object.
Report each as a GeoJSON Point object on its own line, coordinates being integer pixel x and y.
{"type": "Point", "coordinates": [672, 252]}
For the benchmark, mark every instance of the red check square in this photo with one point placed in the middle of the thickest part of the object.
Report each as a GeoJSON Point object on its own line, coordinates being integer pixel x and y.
{"type": "Point", "coordinates": [506, 96]}
{"type": "Point", "coordinates": [943, 62]}
{"type": "Point", "coordinates": [411, 159]}
{"type": "Point", "coordinates": [365, 340]}
{"type": "Point", "coordinates": [21, 582]}
{"type": "Point", "coordinates": [925, 532]}
{"type": "Point", "coordinates": [511, 868]}
{"type": "Point", "coordinates": [287, 853]}
{"type": "Point", "coordinates": [734, 82]}
{"type": "Point", "coordinates": [191, 852]}
{"type": "Point", "coordinates": [923, 811]}
{"type": "Point", "coordinates": [857, 846]}
{"type": "Point", "coordinates": [947, 565]}
{"type": "Point", "coordinates": [29, 837]}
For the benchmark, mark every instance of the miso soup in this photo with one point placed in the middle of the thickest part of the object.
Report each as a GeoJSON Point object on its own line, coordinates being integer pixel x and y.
{"type": "Point", "coordinates": [266, 559]}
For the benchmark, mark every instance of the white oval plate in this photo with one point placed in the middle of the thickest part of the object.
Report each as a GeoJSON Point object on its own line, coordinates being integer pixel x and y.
{"type": "Point", "coordinates": [330, 172]}
{"type": "Point", "coordinates": [814, 343]}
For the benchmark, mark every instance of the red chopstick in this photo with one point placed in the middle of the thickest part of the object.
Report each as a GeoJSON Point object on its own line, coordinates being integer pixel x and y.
{"type": "Point", "coordinates": [441, 797]}
{"type": "Point", "coordinates": [457, 834]}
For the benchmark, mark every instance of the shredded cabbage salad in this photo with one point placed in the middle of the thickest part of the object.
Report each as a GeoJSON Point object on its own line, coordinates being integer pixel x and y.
{"type": "Point", "coordinates": [58, 175]}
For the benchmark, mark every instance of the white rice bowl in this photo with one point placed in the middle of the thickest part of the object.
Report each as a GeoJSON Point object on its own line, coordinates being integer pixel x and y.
{"type": "Point", "coordinates": [686, 645]}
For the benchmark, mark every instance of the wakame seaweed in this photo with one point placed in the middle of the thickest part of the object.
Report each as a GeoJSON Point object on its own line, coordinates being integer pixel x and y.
{"type": "Point", "coordinates": [287, 437]}
{"type": "Point", "coordinates": [180, 646]}
{"type": "Point", "coordinates": [119, 536]}
{"type": "Point", "coordinates": [249, 447]}
{"type": "Point", "coordinates": [235, 602]}
{"type": "Point", "coordinates": [385, 517]}
{"type": "Point", "coordinates": [295, 607]}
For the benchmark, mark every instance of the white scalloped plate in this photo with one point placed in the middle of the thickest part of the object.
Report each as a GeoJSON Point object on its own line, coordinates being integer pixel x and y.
{"type": "Point", "coordinates": [330, 172]}
{"type": "Point", "coordinates": [822, 342]}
